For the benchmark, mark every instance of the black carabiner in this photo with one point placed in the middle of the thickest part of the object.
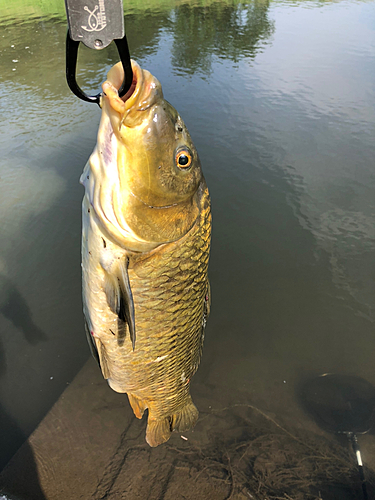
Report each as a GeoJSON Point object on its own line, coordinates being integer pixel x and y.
{"type": "Point", "coordinates": [71, 65]}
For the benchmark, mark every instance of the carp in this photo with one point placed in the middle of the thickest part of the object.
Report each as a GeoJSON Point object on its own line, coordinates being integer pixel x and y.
{"type": "Point", "coordinates": [146, 229]}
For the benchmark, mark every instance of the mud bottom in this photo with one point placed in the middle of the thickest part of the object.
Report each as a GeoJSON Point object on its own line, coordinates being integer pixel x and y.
{"type": "Point", "coordinates": [248, 456]}
{"type": "Point", "coordinates": [90, 446]}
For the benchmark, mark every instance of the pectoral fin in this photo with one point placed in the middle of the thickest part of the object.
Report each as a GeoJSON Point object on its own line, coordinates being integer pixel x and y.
{"type": "Point", "coordinates": [103, 359]}
{"type": "Point", "coordinates": [116, 302]}
{"type": "Point", "coordinates": [91, 342]}
{"type": "Point", "coordinates": [120, 299]}
{"type": "Point", "coordinates": [98, 351]}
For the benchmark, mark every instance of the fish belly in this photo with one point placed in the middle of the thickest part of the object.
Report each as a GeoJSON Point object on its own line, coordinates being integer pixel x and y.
{"type": "Point", "coordinates": [170, 290]}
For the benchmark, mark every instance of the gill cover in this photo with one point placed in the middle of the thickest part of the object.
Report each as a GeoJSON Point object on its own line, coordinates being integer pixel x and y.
{"type": "Point", "coordinates": [157, 166]}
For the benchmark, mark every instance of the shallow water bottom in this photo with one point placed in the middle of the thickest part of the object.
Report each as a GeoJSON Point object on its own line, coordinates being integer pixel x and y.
{"type": "Point", "coordinates": [90, 445]}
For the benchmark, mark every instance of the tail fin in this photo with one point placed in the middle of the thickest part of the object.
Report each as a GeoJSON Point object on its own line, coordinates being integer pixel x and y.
{"type": "Point", "coordinates": [185, 418]}
{"type": "Point", "coordinates": [158, 431]}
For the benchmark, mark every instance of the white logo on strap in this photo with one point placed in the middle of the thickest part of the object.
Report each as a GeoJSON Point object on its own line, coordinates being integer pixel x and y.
{"type": "Point", "coordinates": [97, 18]}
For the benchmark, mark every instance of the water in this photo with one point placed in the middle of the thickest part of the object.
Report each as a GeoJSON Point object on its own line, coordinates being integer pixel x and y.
{"type": "Point", "coordinates": [279, 99]}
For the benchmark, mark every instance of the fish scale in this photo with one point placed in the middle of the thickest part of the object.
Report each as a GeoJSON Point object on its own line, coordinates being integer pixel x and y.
{"type": "Point", "coordinates": [157, 385]}
{"type": "Point", "coordinates": [146, 293]}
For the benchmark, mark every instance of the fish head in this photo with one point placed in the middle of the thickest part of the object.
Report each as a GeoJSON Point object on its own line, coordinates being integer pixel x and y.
{"type": "Point", "coordinates": [158, 166]}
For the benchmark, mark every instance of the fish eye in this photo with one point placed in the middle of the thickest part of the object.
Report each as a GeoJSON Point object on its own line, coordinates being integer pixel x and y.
{"type": "Point", "coordinates": [183, 158]}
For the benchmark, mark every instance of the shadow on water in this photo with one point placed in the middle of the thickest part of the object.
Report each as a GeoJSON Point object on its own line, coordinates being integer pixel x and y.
{"type": "Point", "coordinates": [14, 307]}
{"type": "Point", "coordinates": [11, 436]}
{"type": "Point", "coordinates": [27, 485]}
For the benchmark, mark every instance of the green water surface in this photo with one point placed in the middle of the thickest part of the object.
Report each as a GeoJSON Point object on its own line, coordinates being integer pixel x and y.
{"type": "Point", "coordinates": [279, 99]}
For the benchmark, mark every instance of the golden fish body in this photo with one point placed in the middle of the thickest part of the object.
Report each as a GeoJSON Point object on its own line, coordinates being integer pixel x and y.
{"type": "Point", "coordinates": [145, 250]}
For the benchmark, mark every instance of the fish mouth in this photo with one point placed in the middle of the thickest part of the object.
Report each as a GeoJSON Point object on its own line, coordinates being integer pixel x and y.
{"type": "Point", "coordinates": [145, 89]}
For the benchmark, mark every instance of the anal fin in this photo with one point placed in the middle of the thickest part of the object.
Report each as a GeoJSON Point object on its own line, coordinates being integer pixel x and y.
{"type": "Point", "coordinates": [138, 406]}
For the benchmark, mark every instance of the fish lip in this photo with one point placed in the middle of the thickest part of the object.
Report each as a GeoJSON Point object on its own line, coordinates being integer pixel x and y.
{"type": "Point", "coordinates": [131, 90]}
{"type": "Point", "coordinates": [138, 97]}
{"type": "Point", "coordinates": [134, 92]}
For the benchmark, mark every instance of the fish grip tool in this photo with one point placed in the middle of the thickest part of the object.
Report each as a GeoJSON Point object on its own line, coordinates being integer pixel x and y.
{"type": "Point", "coordinates": [95, 23]}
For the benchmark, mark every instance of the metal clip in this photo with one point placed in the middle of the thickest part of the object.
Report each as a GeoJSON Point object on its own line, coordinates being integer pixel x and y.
{"type": "Point", "coordinates": [95, 23]}
{"type": "Point", "coordinates": [71, 64]}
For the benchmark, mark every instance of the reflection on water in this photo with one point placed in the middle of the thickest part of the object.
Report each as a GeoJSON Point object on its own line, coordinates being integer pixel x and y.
{"type": "Point", "coordinates": [228, 31]}
{"type": "Point", "coordinates": [279, 100]}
